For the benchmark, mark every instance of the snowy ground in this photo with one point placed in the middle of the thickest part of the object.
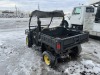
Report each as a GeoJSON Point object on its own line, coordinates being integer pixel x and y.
{"type": "Point", "coordinates": [17, 59]}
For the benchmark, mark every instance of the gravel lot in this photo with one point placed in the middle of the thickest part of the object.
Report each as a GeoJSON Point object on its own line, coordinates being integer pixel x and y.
{"type": "Point", "coordinates": [17, 59]}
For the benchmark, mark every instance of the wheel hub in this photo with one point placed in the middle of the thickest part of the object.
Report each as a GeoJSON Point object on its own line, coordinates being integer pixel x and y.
{"type": "Point", "coordinates": [46, 59]}
{"type": "Point", "coordinates": [26, 40]}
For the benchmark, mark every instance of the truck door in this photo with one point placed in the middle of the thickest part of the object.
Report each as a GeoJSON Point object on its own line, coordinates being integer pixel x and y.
{"type": "Point", "coordinates": [76, 16]}
{"type": "Point", "coordinates": [89, 18]}
{"type": "Point", "coordinates": [97, 17]}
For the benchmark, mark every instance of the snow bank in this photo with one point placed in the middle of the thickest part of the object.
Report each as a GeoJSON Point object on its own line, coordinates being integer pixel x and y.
{"type": "Point", "coordinates": [85, 67]}
{"type": "Point", "coordinates": [96, 27]}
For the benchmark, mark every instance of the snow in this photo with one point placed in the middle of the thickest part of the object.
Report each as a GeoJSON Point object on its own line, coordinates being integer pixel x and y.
{"type": "Point", "coordinates": [15, 55]}
{"type": "Point", "coordinates": [85, 65]}
{"type": "Point", "coordinates": [92, 50]}
{"type": "Point", "coordinates": [0, 42]}
{"type": "Point", "coordinates": [17, 59]}
{"type": "Point", "coordinates": [96, 27]}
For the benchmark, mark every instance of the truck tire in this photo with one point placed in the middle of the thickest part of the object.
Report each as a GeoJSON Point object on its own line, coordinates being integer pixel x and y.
{"type": "Point", "coordinates": [76, 51]}
{"type": "Point", "coordinates": [28, 41]}
{"type": "Point", "coordinates": [49, 59]}
{"type": "Point", "coordinates": [66, 24]}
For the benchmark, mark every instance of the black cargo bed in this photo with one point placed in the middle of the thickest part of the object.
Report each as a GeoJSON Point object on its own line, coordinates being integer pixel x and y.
{"type": "Point", "coordinates": [60, 32]}
{"type": "Point", "coordinates": [67, 38]}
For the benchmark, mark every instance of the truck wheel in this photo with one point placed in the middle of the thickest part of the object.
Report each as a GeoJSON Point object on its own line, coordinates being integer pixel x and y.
{"type": "Point", "coordinates": [49, 58]}
{"type": "Point", "coordinates": [28, 41]}
{"type": "Point", "coordinates": [66, 24]}
{"type": "Point", "coordinates": [76, 51]}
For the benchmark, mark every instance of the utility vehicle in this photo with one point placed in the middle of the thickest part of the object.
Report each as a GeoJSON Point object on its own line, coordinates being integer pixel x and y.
{"type": "Point", "coordinates": [55, 42]}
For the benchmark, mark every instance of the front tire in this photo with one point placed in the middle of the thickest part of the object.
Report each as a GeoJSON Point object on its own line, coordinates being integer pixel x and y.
{"type": "Point", "coordinates": [28, 41]}
{"type": "Point", "coordinates": [49, 58]}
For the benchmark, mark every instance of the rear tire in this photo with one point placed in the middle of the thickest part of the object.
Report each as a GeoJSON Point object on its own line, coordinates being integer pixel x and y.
{"type": "Point", "coordinates": [49, 58]}
{"type": "Point", "coordinates": [76, 51]}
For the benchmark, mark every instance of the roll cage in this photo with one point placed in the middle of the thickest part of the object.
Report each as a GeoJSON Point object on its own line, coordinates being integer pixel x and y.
{"type": "Point", "coordinates": [43, 14]}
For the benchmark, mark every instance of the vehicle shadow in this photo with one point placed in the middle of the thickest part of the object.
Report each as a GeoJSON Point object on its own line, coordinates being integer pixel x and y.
{"type": "Point", "coordinates": [62, 63]}
{"type": "Point", "coordinates": [94, 37]}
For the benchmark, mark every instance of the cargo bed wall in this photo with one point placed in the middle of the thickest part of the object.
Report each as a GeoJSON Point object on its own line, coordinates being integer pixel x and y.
{"type": "Point", "coordinates": [60, 32]}
{"type": "Point", "coordinates": [67, 42]}
{"type": "Point", "coordinates": [75, 40]}
{"type": "Point", "coordinates": [48, 40]}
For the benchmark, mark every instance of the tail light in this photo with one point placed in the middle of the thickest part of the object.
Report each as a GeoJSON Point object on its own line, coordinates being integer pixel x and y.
{"type": "Point", "coordinates": [58, 46]}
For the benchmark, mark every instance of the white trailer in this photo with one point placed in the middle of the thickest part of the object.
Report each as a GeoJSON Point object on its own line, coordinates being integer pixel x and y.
{"type": "Point", "coordinates": [87, 18]}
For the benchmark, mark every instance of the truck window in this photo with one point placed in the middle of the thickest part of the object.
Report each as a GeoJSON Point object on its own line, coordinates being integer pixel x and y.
{"type": "Point", "coordinates": [76, 11]}
{"type": "Point", "coordinates": [89, 9]}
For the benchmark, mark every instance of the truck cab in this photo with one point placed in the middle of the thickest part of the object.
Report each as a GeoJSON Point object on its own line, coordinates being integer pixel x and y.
{"type": "Point", "coordinates": [83, 18]}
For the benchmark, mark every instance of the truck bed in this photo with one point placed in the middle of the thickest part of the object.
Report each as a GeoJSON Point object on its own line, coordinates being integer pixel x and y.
{"type": "Point", "coordinates": [67, 38]}
{"type": "Point", "coordinates": [60, 32]}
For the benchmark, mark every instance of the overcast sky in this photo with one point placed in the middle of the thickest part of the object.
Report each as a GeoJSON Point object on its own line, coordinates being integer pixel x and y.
{"type": "Point", "coordinates": [30, 5]}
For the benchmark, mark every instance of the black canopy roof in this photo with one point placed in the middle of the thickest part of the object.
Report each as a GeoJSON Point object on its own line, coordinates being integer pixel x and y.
{"type": "Point", "coordinates": [44, 14]}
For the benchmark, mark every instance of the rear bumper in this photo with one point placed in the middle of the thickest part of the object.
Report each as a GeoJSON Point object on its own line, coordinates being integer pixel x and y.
{"type": "Point", "coordinates": [67, 52]}
{"type": "Point", "coordinates": [94, 33]}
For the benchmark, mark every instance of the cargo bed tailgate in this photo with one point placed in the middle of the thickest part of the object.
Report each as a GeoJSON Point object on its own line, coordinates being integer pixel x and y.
{"type": "Point", "coordinates": [74, 40]}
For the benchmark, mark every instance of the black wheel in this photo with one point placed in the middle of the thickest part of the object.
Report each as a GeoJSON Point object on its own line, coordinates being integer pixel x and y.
{"type": "Point", "coordinates": [49, 58]}
{"type": "Point", "coordinates": [29, 41]}
{"type": "Point", "coordinates": [36, 40]}
{"type": "Point", "coordinates": [64, 24]}
{"type": "Point", "coordinates": [75, 52]}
